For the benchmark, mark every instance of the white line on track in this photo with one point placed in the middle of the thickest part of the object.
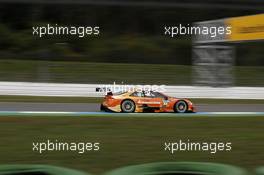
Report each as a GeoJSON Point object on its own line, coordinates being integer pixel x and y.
{"type": "Point", "coordinates": [60, 113]}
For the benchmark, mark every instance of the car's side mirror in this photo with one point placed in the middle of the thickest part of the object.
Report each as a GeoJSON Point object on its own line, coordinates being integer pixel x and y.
{"type": "Point", "coordinates": [109, 93]}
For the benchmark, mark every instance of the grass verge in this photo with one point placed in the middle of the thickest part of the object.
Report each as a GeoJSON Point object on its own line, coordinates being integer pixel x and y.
{"type": "Point", "coordinates": [127, 140]}
{"type": "Point", "coordinates": [85, 72]}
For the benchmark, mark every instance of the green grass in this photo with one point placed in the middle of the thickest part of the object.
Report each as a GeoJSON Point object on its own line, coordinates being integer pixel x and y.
{"type": "Point", "coordinates": [83, 72]}
{"type": "Point", "coordinates": [43, 99]}
{"type": "Point", "coordinates": [127, 140]}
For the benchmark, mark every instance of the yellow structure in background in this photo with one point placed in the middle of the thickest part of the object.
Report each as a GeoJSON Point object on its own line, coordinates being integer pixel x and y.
{"type": "Point", "coordinates": [246, 28]}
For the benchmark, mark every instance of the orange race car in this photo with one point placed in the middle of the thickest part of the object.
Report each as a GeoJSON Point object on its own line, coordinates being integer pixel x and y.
{"type": "Point", "coordinates": [145, 102]}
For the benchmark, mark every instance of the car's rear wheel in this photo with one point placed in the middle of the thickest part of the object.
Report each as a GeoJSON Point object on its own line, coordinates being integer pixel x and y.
{"type": "Point", "coordinates": [181, 106]}
{"type": "Point", "coordinates": [128, 106]}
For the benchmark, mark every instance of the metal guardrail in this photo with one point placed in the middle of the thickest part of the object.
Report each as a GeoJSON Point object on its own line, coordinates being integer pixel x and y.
{"type": "Point", "coordinates": [89, 90]}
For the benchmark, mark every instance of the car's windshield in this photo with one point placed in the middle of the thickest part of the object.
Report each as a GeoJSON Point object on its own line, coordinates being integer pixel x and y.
{"type": "Point", "coordinates": [157, 94]}
{"type": "Point", "coordinates": [137, 94]}
{"type": "Point", "coordinates": [119, 92]}
{"type": "Point", "coordinates": [154, 94]}
{"type": "Point", "coordinates": [150, 94]}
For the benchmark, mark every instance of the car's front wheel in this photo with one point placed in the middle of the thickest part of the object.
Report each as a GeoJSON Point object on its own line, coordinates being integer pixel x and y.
{"type": "Point", "coordinates": [181, 106]}
{"type": "Point", "coordinates": [128, 106]}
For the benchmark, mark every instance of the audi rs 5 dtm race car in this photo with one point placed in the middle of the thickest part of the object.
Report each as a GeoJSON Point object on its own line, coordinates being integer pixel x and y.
{"type": "Point", "coordinates": [145, 102]}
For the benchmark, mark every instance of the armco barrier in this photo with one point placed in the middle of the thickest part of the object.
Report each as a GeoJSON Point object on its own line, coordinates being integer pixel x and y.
{"type": "Point", "coordinates": [37, 170]}
{"type": "Point", "coordinates": [89, 90]}
{"type": "Point", "coordinates": [180, 168]}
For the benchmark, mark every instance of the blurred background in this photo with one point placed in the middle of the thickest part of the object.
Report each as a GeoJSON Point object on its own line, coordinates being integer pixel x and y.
{"type": "Point", "coordinates": [131, 48]}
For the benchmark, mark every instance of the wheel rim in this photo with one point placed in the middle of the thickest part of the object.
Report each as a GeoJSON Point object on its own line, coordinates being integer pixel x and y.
{"type": "Point", "coordinates": [181, 107]}
{"type": "Point", "coordinates": [128, 106]}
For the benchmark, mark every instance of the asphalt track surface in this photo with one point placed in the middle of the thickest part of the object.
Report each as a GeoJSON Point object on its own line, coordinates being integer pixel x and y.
{"type": "Point", "coordinates": [95, 107]}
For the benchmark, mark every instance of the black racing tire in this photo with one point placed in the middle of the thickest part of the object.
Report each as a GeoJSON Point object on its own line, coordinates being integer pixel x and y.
{"type": "Point", "coordinates": [181, 106]}
{"type": "Point", "coordinates": [128, 106]}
